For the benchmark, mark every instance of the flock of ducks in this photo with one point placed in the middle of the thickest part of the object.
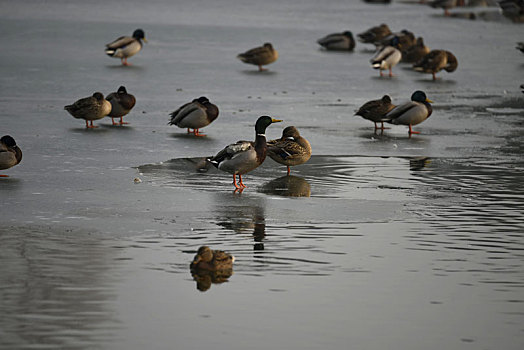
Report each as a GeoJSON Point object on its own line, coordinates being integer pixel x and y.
{"type": "Point", "coordinates": [291, 149]}
{"type": "Point", "coordinates": [392, 48]}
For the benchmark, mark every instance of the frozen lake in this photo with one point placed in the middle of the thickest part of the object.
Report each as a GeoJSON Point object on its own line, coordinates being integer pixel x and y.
{"type": "Point", "coordinates": [378, 242]}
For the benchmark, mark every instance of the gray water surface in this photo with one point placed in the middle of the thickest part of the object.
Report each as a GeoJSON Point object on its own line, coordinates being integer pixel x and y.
{"type": "Point", "coordinates": [380, 241]}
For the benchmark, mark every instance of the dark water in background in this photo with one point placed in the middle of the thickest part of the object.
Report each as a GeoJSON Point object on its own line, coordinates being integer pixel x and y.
{"type": "Point", "coordinates": [379, 241]}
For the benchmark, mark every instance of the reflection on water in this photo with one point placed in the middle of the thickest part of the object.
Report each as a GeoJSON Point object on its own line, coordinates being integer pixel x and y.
{"type": "Point", "coordinates": [204, 278]}
{"type": "Point", "coordinates": [287, 186]}
{"type": "Point", "coordinates": [368, 226]}
{"type": "Point", "coordinates": [54, 291]}
{"type": "Point", "coordinates": [247, 216]}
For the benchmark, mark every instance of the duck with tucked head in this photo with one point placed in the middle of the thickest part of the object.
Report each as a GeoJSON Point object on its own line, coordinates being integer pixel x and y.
{"type": "Point", "coordinates": [10, 153]}
{"type": "Point", "coordinates": [416, 52]}
{"type": "Point", "coordinates": [376, 110]}
{"type": "Point", "coordinates": [195, 115]}
{"type": "Point", "coordinates": [435, 61]}
{"type": "Point", "coordinates": [387, 57]}
{"type": "Point", "coordinates": [291, 149]}
{"type": "Point", "coordinates": [374, 34]}
{"type": "Point", "coordinates": [90, 108]}
{"type": "Point", "coordinates": [212, 260]}
{"type": "Point", "coordinates": [121, 104]}
{"type": "Point", "coordinates": [413, 112]}
{"type": "Point", "coordinates": [446, 5]}
{"type": "Point", "coordinates": [244, 156]}
{"type": "Point", "coordinates": [259, 56]}
{"type": "Point", "coordinates": [338, 41]}
{"type": "Point", "coordinates": [126, 46]}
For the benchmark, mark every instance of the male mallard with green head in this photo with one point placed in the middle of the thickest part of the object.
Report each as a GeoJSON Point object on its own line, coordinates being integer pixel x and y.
{"type": "Point", "coordinates": [259, 56]}
{"type": "Point", "coordinates": [121, 104]}
{"type": "Point", "coordinates": [244, 156]}
{"type": "Point", "coordinates": [291, 149]}
{"type": "Point", "coordinates": [413, 112]}
{"type": "Point", "coordinates": [90, 108]}
{"type": "Point", "coordinates": [212, 260]}
{"type": "Point", "coordinates": [10, 153]}
{"type": "Point", "coordinates": [376, 110]}
{"type": "Point", "coordinates": [435, 61]}
{"type": "Point", "coordinates": [195, 115]}
{"type": "Point", "coordinates": [126, 46]}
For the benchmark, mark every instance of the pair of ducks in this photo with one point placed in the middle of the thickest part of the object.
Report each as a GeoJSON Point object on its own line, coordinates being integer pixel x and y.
{"type": "Point", "coordinates": [115, 105]}
{"type": "Point", "coordinates": [410, 113]}
{"type": "Point", "coordinates": [127, 46]}
{"type": "Point", "coordinates": [10, 153]}
{"type": "Point", "coordinates": [244, 156]}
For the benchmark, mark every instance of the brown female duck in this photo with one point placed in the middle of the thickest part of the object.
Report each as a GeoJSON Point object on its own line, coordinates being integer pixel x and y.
{"type": "Point", "coordinates": [260, 56]}
{"type": "Point", "coordinates": [90, 108]}
{"type": "Point", "coordinates": [10, 153]}
{"type": "Point", "coordinates": [291, 149]}
{"type": "Point", "coordinates": [435, 61]}
{"type": "Point", "coordinates": [212, 260]}
{"type": "Point", "coordinates": [376, 110]}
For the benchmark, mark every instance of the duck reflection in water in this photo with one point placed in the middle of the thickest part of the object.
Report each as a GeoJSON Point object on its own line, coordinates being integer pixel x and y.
{"type": "Point", "coordinates": [287, 186]}
{"type": "Point", "coordinates": [211, 266]}
{"type": "Point", "coordinates": [418, 163]}
{"type": "Point", "coordinates": [250, 217]}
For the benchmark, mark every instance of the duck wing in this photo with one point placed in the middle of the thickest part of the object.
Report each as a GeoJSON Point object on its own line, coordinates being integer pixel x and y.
{"type": "Point", "coordinates": [120, 42]}
{"type": "Point", "coordinates": [182, 112]}
{"type": "Point", "coordinates": [231, 151]}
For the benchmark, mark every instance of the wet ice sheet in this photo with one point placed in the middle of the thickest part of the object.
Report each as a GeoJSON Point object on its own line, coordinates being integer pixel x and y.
{"type": "Point", "coordinates": [420, 241]}
{"type": "Point", "coordinates": [402, 242]}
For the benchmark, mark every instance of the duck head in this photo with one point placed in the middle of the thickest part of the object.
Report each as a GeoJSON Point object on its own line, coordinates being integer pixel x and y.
{"type": "Point", "coordinates": [263, 122]}
{"type": "Point", "coordinates": [99, 96]}
{"type": "Point", "coordinates": [139, 34]}
{"type": "Point", "coordinates": [420, 96]}
{"type": "Point", "coordinates": [8, 141]}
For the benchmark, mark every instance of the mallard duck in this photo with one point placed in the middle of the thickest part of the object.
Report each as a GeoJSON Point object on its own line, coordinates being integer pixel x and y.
{"type": "Point", "coordinates": [212, 260]}
{"type": "Point", "coordinates": [291, 149]}
{"type": "Point", "coordinates": [10, 153]}
{"type": "Point", "coordinates": [446, 5]}
{"type": "Point", "coordinates": [126, 46]}
{"type": "Point", "coordinates": [374, 34]}
{"type": "Point", "coordinates": [435, 61]}
{"type": "Point", "coordinates": [416, 52]}
{"type": "Point", "coordinates": [404, 40]}
{"type": "Point", "coordinates": [413, 112]}
{"type": "Point", "coordinates": [520, 46]}
{"type": "Point", "coordinates": [121, 104]}
{"type": "Point", "coordinates": [194, 115]}
{"type": "Point", "coordinates": [513, 9]}
{"type": "Point", "coordinates": [90, 108]}
{"type": "Point", "coordinates": [338, 41]}
{"type": "Point", "coordinates": [259, 56]}
{"type": "Point", "coordinates": [376, 110]}
{"type": "Point", "coordinates": [386, 58]}
{"type": "Point", "coordinates": [242, 157]}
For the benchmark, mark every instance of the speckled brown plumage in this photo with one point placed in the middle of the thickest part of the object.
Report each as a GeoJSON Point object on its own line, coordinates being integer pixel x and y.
{"type": "Point", "coordinates": [291, 149]}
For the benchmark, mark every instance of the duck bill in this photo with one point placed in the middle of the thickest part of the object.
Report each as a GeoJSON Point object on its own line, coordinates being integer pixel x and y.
{"type": "Point", "coordinates": [275, 120]}
{"type": "Point", "coordinates": [145, 40]}
{"type": "Point", "coordinates": [428, 100]}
